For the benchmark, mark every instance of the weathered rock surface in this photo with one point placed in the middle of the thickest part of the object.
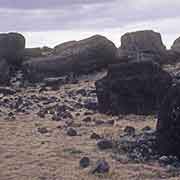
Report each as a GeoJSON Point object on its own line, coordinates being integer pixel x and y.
{"type": "Point", "coordinates": [136, 87]}
{"type": "Point", "coordinates": [142, 45]}
{"type": "Point", "coordinates": [84, 57]}
{"type": "Point", "coordinates": [11, 47]}
{"type": "Point", "coordinates": [143, 41]}
{"type": "Point", "coordinates": [176, 46]}
{"type": "Point", "coordinates": [168, 126]}
{"type": "Point", "coordinates": [62, 47]}
{"type": "Point", "coordinates": [4, 72]}
{"type": "Point", "coordinates": [32, 52]}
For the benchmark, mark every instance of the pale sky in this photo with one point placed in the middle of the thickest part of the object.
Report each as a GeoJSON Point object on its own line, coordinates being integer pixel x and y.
{"type": "Point", "coordinates": [51, 22]}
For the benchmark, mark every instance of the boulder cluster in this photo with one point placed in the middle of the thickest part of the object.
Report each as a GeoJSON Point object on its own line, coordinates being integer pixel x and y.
{"type": "Point", "coordinates": [135, 83]}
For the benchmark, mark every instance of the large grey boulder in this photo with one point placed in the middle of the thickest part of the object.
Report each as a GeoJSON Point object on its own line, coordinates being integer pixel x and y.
{"type": "Point", "coordinates": [32, 52]}
{"type": "Point", "coordinates": [168, 125]}
{"type": "Point", "coordinates": [140, 41]}
{"type": "Point", "coordinates": [142, 45]}
{"type": "Point", "coordinates": [11, 47]}
{"type": "Point", "coordinates": [135, 87]}
{"type": "Point", "coordinates": [83, 57]}
{"type": "Point", "coordinates": [61, 47]}
{"type": "Point", "coordinates": [176, 46]}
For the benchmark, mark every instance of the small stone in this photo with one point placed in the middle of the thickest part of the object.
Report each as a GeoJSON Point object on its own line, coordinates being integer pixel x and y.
{"type": "Point", "coordinates": [99, 122]}
{"type": "Point", "coordinates": [101, 167]}
{"type": "Point", "coordinates": [41, 113]}
{"type": "Point", "coordinates": [129, 130]}
{"type": "Point", "coordinates": [84, 162]}
{"type": "Point", "coordinates": [87, 119]}
{"type": "Point", "coordinates": [82, 92]}
{"type": "Point", "coordinates": [43, 130]}
{"type": "Point", "coordinates": [71, 132]}
{"type": "Point", "coordinates": [147, 128]}
{"type": "Point", "coordinates": [95, 136]}
{"type": "Point", "coordinates": [55, 117]}
{"type": "Point", "coordinates": [110, 122]}
{"type": "Point", "coordinates": [105, 144]}
{"type": "Point", "coordinates": [87, 113]}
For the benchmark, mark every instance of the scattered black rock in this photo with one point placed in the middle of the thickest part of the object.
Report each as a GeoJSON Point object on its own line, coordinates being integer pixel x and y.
{"type": "Point", "coordinates": [95, 136]}
{"type": "Point", "coordinates": [147, 128]}
{"type": "Point", "coordinates": [99, 122]}
{"type": "Point", "coordinates": [43, 130]}
{"type": "Point", "coordinates": [84, 162]}
{"type": "Point", "coordinates": [129, 130]}
{"type": "Point", "coordinates": [7, 91]}
{"type": "Point", "coordinates": [91, 104]}
{"type": "Point", "coordinates": [139, 147]}
{"type": "Point", "coordinates": [101, 167]}
{"type": "Point", "coordinates": [42, 113]}
{"type": "Point", "coordinates": [82, 92]}
{"type": "Point", "coordinates": [55, 82]}
{"type": "Point", "coordinates": [71, 132]}
{"type": "Point", "coordinates": [105, 144]}
{"type": "Point", "coordinates": [87, 119]}
{"type": "Point", "coordinates": [169, 160]}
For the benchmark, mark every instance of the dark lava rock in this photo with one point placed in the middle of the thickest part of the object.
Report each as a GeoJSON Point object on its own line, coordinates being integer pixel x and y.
{"type": "Point", "coordinates": [99, 122]}
{"type": "Point", "coordinates": [43, 130]}
{"type": "Point", "coordinates": [168, 125]}
{"type": "Point", "coordinates": [95, 136]}
{"type": "Point", "coordinates": [83, 57]}
{"type": "Point", "coordinates": [147, 128]}
{"type": "Point", "coordinates": [135, 87]}
{"type": "Point", "coordinates": [7, 91]}
{"type": "Point", "coordinates": [141, 147]}
{"type": "Point", "coordinates": [169, 160]}
{"type": "Point", "coordinates": [91, 104]}
{"type": "Point", "coordinates": [176, 46]}
{"type": "Point", "coordinates": [101, 167]}
{"type": "Point", "coordinates": [105, 144]}
{"type": "Point", "coordinates": [143, 41]}
{"type": "Point", "coordinates": [11, 47]}
{"type": "Point", "coordinates": [42, 113]}
{"type": "Point", "coordinates": [84, 162]}
{"type": "Point", "coordinates": [62, 112]}
{"type": "Point", "coordinates": [87, 119]}
{"type": "Point", "coordinates": [4, 72]}
{"type": "Point", "coordinates": [71, 132]}
{"type": "Point", "coordinates": [129, 130]}
{"type": "Point", "coordinates": [55, 81]}
{"type": "Point", "coordinates": [82, 92]}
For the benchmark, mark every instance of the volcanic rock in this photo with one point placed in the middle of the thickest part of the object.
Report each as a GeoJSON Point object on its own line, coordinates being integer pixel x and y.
{"type": "Point", "coordinates": [11, 47]}
{"type": "Point", "coordinates": [143, 41]}
{"type": "Point", "coordinates": [85, 56]}
{"type": "Point", "coordinates": [176, 46]}
{"type": "Point", "coordinates": [168, 125]}
{"type": "Point", "coordinates": [142, 45]}
{"type": "Point", "coordinates": [4, 72]}
{"type": "Point", "coordinates": [135, 87]}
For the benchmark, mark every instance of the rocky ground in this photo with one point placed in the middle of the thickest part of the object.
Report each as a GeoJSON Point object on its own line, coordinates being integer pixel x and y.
{"type": "Point", "coordinates": [58, 134]}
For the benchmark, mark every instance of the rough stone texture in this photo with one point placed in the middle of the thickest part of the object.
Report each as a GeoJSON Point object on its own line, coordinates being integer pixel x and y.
{"type": "Point", "coordinates": [32, 52]}
{"type": "Point", "coordinates": [4, 72]}
{"type": "Point", "coordinates": [148, 41]}
{"type": "Point", "coordinates": [136, 87]}
{"type": "Point", "coordinates": [168, 125]}
{"type": "Point", "coordinates": [86, 56]}
{"type": "Point", "coordinates": [61, 47]}
{"type": "Point", "coordinates": [11, 47]}
{"type": "Point", "coordinates": [176, 46]}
